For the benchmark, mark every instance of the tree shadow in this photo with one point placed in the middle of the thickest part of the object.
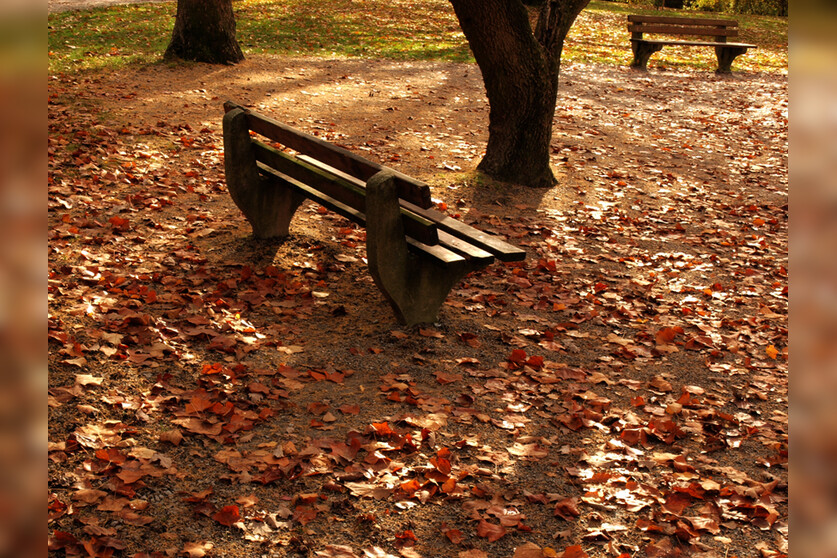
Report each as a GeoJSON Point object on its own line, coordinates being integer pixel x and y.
{"type": "Point", "coordinates": [430, 119]}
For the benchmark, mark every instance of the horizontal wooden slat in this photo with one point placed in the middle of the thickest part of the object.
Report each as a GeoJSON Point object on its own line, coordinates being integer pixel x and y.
{"type": "Point", "coordinates": [471, 253]}
{"type": "Point", "coordinates": [313, 194]}
{"type": "Point", "coordinates": [483, 241]}
{"type": "Point", "coordinates": [693, 43]}
{"type": "Point", "coordinates": [502, 250]}
{"type": "Point", "coordinates": [408, 188]}
{"type": "Point", "coordinates": [336, 172]}
{"type": "Point", "coordinates": [338, 188]}
{"type": "Point", "coordinates": [341, 190]}
{"type": "Point", "coordinates": [683, 30]}
{"type": "Point", "coordinates": [438, 252]}
{"type": "Point", "coordinates": [362, 185]}
{"type": "Point", "coordinates": [682, 20]}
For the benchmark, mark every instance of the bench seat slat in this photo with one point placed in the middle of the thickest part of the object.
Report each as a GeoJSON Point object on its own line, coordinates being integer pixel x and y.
{"type": "Point", "coordinates": [341, 190]}
{"type": "Point", "coordinates": [344, 191]}
{"type": "Point", "coordinates": [325, 200]}
{"type": "Point", "coordinates": [693, 43]}
{"type": "Point", "coordinates": [442, 254]}
{"type": "Point", "coordinates": [437, 251]}
{"type": "Point", "coordinates": [469, 251]}
{"type": "Point", "coordinates": [503, 251]}
{"type": "Point", "coordinates": [343, 159]}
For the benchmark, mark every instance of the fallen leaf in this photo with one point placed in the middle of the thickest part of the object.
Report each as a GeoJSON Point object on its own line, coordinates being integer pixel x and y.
{"type": "Point", "coordinates": [196, 549]}
{"type": "Point", "coordinates": [533, 450]}
{"type": "Point", "coordinates": [445, 378]}
{"type": "Point", "coordinates": [368, 490]}
{"type": "Point", "coordinates": [199, 426]}
{"type": "Point", "coordinates": [567, 509]}
{"type": "Point", "coordinates": [228, 515]}
{"type": "Point", "coordinates": [454, 535]}
{"type": "Point", "coordinates": [490, 531]}
{"type": "Point", "coordinates": [248, 501]}
{"type": "Point", "coordinates": [88, 380]}
{"type": "Point", "coordinates": [667, 335]}
{"type": "Point", "coordinates": [88, 496]}
{"type": "Point", "coordinates": [528, 550]}
{"type": "Point", "coordinates": [661, 384]}
{"type": "Point", "coordinates": [171, 436]}
{"type": "Point", "coordinates": [431, 333]}
{"type": "Point", "coordinates": [574, 551]}
{"type": "Point", "coordinates": [410, 486]}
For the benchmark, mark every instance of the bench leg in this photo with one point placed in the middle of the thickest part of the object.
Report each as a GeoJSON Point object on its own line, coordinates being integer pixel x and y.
{"type": "Point", "coordinates": [642, 52]}
{"type": "Point", "coordinates": [415, 286]}
{"type": "Point", "coordinates": [267, 205]}
{"type": "Point", "coordinates": [725, 57]}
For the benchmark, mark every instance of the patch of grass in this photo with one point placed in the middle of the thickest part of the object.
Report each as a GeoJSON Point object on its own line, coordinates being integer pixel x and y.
{"type": "Point", "coordinates": [394, 29]}
{"type": "Point", "coordinates": [104, 38]}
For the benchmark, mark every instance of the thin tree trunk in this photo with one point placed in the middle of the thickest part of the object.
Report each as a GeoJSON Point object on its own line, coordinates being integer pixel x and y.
{"type": "Point", "coordinates": [204, 31]}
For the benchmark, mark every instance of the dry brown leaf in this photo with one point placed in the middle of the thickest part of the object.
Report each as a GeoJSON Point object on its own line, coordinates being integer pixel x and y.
{"type": "Point", "coordinates": [171, 436]}
{"type": "Point", "coordinates": [196, 549]}
{"type": "Point", "coordinates": [88, 380]}
{"type": "Point", "coordinates": [528, 550]}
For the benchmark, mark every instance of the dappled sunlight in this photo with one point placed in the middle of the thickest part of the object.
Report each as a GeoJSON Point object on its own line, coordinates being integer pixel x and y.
{"type": "Point", "coordinates": [622, 391]}
{"type": "Point", "coordinates": [137, 34]}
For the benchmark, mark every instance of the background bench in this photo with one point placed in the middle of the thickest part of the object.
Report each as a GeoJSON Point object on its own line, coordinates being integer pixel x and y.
{"type": "Point", "coordinates": [721, 31]}
{"type": "Point", "coordinates": [416, 254]}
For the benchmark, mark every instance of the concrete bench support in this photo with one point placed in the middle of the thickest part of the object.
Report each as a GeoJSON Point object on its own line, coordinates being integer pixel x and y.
{"type": "Point", "coordinates": [268, 206]}
{"type": "Point", "coordinates": [414, 285]}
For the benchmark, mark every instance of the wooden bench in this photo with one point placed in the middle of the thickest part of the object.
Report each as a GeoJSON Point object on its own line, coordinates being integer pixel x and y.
{"type": "Point", "coordinates": [415, 254]}
{"type": "Point", "coordinates": [721, 30]}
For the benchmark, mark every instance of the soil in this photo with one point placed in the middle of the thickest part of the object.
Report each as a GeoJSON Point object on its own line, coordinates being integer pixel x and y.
{"type": "Point", "coordinates": [670, 211]}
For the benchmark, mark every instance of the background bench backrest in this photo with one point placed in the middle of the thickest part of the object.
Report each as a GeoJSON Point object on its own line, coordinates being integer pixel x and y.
{"type": "Point", "coordinates": [721, 29]}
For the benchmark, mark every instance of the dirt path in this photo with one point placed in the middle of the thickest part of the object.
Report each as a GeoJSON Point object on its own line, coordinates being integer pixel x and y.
{"type": "Point", "coordinates": [650, 416]}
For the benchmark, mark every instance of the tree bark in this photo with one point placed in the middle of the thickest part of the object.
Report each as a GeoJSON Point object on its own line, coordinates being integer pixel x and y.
{"type": "Point", "coordinates": [204, 31]}
{"type": "Point", "coordinates": [520, 68]}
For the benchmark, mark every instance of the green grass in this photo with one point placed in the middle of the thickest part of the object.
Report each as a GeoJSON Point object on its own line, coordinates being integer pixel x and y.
{"type": "Point", "coordinates": [394, 29]}
{"type": "Point", "coordinates": [108, 38]}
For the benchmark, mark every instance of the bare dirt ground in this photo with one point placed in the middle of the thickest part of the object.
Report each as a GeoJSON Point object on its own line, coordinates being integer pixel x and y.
{"type": "Point", "coordinates": [647, 415]}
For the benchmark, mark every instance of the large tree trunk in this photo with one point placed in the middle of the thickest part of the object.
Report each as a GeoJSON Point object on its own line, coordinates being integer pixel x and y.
{"type": "Point", "coordinates": [204, 31]}
{"type": "Point", "coordinates": [520, 69]}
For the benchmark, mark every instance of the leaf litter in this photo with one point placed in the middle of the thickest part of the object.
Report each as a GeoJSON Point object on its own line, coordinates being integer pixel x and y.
{"type": "Point", "coordinates": [622, 392]}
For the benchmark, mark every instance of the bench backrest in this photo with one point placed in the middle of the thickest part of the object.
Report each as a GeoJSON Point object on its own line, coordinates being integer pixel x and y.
{"type": "Point", "coordinates": [721, 29]}
{"type": "Point", "coordinates": [409, 188]}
